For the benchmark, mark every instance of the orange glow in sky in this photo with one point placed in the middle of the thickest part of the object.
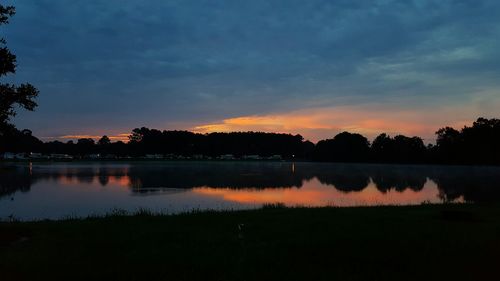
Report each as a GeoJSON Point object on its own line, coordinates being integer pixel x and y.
{"type": "Point", "coordinates": [321, 123]}
{"type": "Point", "coordinates": [120, 137]}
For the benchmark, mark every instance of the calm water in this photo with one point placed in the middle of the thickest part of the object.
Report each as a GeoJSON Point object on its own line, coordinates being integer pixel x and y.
{"type": "Point", "coordinates": [57, 190]}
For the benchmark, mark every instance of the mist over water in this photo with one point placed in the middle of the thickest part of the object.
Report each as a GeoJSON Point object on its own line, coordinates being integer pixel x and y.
{"type": "Point", "coordinates": [56, 190]}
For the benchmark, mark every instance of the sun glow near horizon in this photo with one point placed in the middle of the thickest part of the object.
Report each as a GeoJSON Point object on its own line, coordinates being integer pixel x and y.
{"type": "Point", "coordinates": [323, 123]}
{"type": "Point", "coordinates": [316, 124]}
{"type": "Point", "coordinates": [124, 137]}
{"type": "Point", "coordinates": [319, 123]}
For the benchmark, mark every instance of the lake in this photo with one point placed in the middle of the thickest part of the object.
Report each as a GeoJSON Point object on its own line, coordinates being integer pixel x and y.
{"type": "Point", "coordinates": [31, 191]}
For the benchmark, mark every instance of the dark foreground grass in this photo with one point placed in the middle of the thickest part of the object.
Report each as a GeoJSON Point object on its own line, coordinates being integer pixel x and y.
{"type": "Point", "coordinates": [430, 242]}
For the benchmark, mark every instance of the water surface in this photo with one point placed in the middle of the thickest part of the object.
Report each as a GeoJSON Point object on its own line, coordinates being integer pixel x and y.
{"type": "Point", "coordinates": [56, 190]}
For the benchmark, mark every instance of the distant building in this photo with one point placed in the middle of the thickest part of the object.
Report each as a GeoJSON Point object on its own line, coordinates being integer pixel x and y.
{"type": "Point", "coordinates": [58, 156]}
{"type": "Point", "coordinates": [275, 157]}
{"type": "Point", "coordinates": [125, 157]}
{"type": "Point", "coordinates": [8, 155]}
{"type": "Point", "coordinates": [170, 156]}
{"type": "Point", "coordinates": [227, 157]}
{"type": "Point", "coordinates": [109, 156]}
{"type": "Point", "coordinates": [252, 157]}
{"type": "Point", "coordinates": [35, 155]}
{"type": "Point", "coordinates": [153, 156]}
{"type": "Point", "coordinates": [21, 156]}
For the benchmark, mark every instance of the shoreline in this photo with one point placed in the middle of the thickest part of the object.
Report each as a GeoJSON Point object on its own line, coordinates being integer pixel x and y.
{"type": "Point", "coordinates": [139, 160]}
{"type": "Point", "coordinates": [450, 241]}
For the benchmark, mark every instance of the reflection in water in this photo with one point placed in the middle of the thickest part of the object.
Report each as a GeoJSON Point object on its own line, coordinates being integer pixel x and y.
{"type": "Point", "coordinates": [315, 193]}
{"type": "Point", "coordinates": [398, 179]}
{"type": "Point", "coordinates": [240, 184]}
{"type": "Point", "coordinates": [14, 179]}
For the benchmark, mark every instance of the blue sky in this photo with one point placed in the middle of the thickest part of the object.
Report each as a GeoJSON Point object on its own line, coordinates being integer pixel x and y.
{"type": "Point", "coordinates": [313, 67]}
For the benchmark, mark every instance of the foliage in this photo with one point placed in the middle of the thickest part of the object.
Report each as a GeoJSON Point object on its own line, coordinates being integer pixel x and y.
{"type": "Point", "coordinates": [477, 144]}
{"type": "Point", "coordinates": [400, 149]}
{"type": "Point", "coordinates": [144, 141]}
{"type": "Point", "coordinates": [11, 96]}
{"type": "Point", "coordinates": [344, 147]}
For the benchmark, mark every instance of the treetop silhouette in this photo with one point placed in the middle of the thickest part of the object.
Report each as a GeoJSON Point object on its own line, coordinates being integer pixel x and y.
{"type": "Point", "coordinates": [11, 95]}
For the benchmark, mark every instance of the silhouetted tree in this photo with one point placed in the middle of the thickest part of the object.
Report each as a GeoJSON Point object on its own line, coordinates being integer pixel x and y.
{"type": "Point", "coordinates": [104, 145]}
{"type": "Point", "coordinates": [118, 148]}
{"type": "Point", "coordinates": [400, 149]}
{"type": "Point", "coordinates": [14, 140]}
{"type": "Point", "coordinates": [344, 147]}
{"type": "Point", "coordinates": [478, 144]}
{"type": "Point", "coordinates": [448, 143]}
{"type": "Point", "coordinates": [104, 141]}
{"type": "Point", "coordinates": [11, 96]}
{"type": "Point", "coordinates": [85, 146]}
{"type": "Point", "coordinates": [382, 148]}
{"type": "Point", "coordinates": [144, 140]}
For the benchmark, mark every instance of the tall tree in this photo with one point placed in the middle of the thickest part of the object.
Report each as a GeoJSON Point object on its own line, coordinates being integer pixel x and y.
{"type": "Point", "coordinates": [12, 96]}
{"type": "Point", "coordinates": [104, 141]}
{"type": "Point", "coordinates": [344, 147]}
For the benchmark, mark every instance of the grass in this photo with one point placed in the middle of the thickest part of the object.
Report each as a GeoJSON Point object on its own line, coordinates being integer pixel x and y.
{"type": "Point", "coordinates": [428, 242]}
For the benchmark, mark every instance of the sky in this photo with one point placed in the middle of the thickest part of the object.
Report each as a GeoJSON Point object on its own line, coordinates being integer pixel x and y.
{"type": "Point", "coordinates": [316, 67]}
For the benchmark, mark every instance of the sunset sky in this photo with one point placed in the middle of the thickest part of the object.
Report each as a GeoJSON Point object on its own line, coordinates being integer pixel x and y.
{"type": "Point", "coordinates": [313, 67]}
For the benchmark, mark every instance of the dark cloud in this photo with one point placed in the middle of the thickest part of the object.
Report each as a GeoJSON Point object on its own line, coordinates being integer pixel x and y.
{"type": "Point", "coordinates": [116, 64]}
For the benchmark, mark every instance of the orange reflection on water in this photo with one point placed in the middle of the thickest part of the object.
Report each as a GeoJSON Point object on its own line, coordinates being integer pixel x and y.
{"type": "Point", "coordinates": [314, 193]}
{"type": "Point", "coordinates": [71, 180]}
{"type": "Point", "coordinates": [66, 180]}
{"type": "Point", "coordinates": [121, 181]}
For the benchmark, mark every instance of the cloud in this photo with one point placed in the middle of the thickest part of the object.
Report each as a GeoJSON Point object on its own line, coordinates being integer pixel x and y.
{"type": "Point", "coordinates": [370, 120]}
{"type": "Point", "coordinates": [120, 137]}
{"type": "Point", "coordinates": [114, 65]}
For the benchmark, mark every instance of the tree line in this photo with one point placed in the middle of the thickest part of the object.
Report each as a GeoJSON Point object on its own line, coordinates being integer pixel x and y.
{"type": "Point", "coordinates": [476, 144]}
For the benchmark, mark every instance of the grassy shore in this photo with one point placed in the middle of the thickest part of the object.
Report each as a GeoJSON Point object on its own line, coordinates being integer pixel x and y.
{"type": "Point", "coordinates": [428, 242]}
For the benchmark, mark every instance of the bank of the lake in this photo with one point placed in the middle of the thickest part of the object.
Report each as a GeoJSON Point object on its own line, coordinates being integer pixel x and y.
{"type": "Point", "coordinates": [427, 242]}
